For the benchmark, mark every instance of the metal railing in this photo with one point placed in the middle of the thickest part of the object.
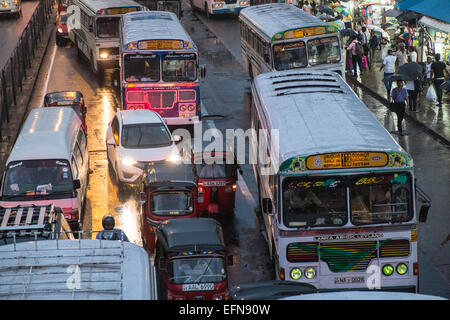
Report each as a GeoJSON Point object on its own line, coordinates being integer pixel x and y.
{"type": "Point", "coordinates": [17, 67]}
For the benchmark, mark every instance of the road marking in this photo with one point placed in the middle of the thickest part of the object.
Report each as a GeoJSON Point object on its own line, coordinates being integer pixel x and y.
{"type": "Point", "coordinates": [241, 182]}
{"type": "Point", "coordinates": [48, 75]}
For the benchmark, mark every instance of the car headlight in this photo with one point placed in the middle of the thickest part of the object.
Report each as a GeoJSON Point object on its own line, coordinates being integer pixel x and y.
{"type": "Point", "coordinates": [296, 273]}
{"type": "Point", "coordinates": [402, 268]}
{"type": "Point", "coordinates": [310, 273]}
{"type": "Point", "coordinates": [175, 158]}
{"type": "Point", "coordinates": [60, 30]}
{"type": "Point", "coordinates": [388, 270]}
{"type": "Point", "coordinates": [104, 55]}
{"type": "Point", "coordinates": [127, 161]}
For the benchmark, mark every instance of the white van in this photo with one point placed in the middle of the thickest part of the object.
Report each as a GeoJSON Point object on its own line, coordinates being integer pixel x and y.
{"type": "Point", "coordinates": [49, 164]}
{"type": "Point", "coordinates": [11, 7]}
{"type": "Point", "coordinates": [82, 269]}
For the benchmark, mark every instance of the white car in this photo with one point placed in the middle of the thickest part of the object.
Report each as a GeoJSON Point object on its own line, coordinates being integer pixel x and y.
{"type": "Point", "coordinates": [136, 138]}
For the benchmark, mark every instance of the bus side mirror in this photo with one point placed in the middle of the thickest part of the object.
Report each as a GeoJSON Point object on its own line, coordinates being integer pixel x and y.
{"type": "Point", "coordinates": [111, 142]}
{"type": "Point", "coordinates": [267, 206]}
{"type": "Point", "coordinates": [162, 263]}
{"type": "Point", "coordinates": [424, 212]}
{"type": "Point", "coordinates": [143, 199]}
{"type": "Point", "coordinates": [230, 260]}
{"type": "Point", "coordinates": [203, 72]}
{"type": "Point", "coordinates": [266, 58]}
{"type": "Point", "coordinates": [76, 184]}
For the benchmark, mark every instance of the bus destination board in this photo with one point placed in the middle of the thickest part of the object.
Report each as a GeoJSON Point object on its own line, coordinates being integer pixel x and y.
{"type": "Point", "coordinates": [160, 44]}
{"type": "Point", "coordinates": [343, 160]}
{"type": "Point", "coordinates": [304, 32]}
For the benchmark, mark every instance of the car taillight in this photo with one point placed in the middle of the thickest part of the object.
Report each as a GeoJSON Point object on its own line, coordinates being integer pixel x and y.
{"type": "Point", "coordinates": [70, 213]}
{"type": "Point", "coordinates": [230, 188]}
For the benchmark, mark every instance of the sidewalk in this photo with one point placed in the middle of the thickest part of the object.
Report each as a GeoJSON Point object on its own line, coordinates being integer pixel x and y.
{"type": "Point", "coordinates": [434, 118]}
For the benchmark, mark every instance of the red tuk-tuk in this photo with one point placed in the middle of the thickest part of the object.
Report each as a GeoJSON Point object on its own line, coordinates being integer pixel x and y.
{"type": "Point", "coordinates": [73, 99]}
{"type": "Point", "coordinates": [165, 200]}
{"type": "Point", "coordinates": [191, 260]}
{"type": "Point", "coordinates": [216, 181]}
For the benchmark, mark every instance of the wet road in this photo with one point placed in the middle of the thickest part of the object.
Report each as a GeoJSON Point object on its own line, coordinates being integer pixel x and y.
{"type": "Point", "coordinates": [431, 160]}
{"type": "Point", "coordinates": [12, 28]}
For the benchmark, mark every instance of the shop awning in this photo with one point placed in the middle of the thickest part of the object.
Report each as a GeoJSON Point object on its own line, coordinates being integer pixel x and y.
{"type": "Point", "coordinates": [392, 13]}
{"type": "Point", "coordinates": [408, 15]}
{"type": "Point", "coordinates": [435, 24]}
{"type": "Point", "coordinates": [437, 9]}
{"type": "Point", "coordinates": [406, 4]}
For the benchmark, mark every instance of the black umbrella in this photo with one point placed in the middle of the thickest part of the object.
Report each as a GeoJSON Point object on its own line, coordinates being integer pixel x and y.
{"type": "Point", "coordinates": [348, 32]}
{"type": "Point", "coordinates": [396, 77]}
{"type": "Point", "coordinates": [446, 85]}
{"type": "Point", "coordinates": [412, 69]}
{"type": "Point", "coordinates": [325, 9]}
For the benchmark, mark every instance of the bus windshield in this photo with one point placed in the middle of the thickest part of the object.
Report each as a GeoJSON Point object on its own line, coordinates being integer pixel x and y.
{"type": "Point", "coordinates": [141, 68]}
{"type": "Point", "coordinates": [290, 55]}
{"type": "Point", "coordinates": [108, 27]}
{"type": "Point", "coordinates": [314, 202]}
{"type": "Point", "coordinates": [197, 270]}
{"type": "Point", "coordinates": [171, 203]}
{"type": "Point", "coordinates": [381, 198]}
{"type": "Point", "coordinates": [323, 51]}
{"type": "Point", "coordinates": [38, 177]}
{"type": "Point", "coordinates": [179, 67]}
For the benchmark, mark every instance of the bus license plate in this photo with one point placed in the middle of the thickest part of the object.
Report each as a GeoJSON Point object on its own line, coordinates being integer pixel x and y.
{"type": "Point", "coordinates": [198, 286]}
{"type": "Point", "coordinates": [344, 280]}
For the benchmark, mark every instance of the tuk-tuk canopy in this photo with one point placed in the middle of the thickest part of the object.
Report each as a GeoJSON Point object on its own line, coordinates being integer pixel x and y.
{"type": "Point", "coordinates": [165, 171]}
{"type": "Point", "coordinates": [169, 185]}
{"type": "Point", "coordinates": [63, 97]}
{"type": "Point", "coordinates": [208, 157]}
{"type": "Point", "coordinates": [192, 234]}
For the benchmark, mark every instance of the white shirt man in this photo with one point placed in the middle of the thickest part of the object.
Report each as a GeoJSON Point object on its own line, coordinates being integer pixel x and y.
{"type": "Point", "coordinates": [389, 63]}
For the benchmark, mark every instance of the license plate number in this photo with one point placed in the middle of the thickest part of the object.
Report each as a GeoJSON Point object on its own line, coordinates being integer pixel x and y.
{"type": "Point", "coordinates": [198, 286]}
{"type": "Point", "coordinates": [345, 280]}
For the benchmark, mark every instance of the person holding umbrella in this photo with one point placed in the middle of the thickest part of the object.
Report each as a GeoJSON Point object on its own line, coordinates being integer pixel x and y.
{"type": "Point", "coordinates": [399, 97]}
{"type": "Point", "coordinates": [389, 69]}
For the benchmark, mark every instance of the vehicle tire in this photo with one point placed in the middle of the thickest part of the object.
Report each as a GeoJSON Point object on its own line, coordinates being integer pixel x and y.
{"type": "Point", "coordinates": [275, 264]}
{"type": "Point", "coordinates": [94, 71]}
{"type": "Point", "coordinates": [79, 53]}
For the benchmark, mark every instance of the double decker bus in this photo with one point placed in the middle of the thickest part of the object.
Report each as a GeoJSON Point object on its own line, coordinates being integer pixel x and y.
{"type": "Point", "coordinates": [280, 36]}
{"type": "Point", "coordinates": [95, 32]}
{"type": "Point", "coordinates": [159, 67]}
{"type": "Point", "coordinates": [337, 194]}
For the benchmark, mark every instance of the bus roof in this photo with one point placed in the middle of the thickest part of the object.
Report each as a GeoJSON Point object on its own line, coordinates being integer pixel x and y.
{"type": "Point", "coordinates": [97, 5]}
{"type": "Point", "coordinates": [108, 270]}
{"type": "Point", "coordinates": [48, 133]}
{"type": "Point", "coordinates": [152, 25]}
{"type": "Point", "coordinates": [320, 114]}
{"type": "Point", "coordinates": [274, 18]}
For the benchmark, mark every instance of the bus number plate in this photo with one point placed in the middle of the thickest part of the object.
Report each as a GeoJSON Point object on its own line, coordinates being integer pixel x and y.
{"type": "Point", "coordinates": [344, 280]}
{"type": "Point", "coordinates": [198, 286]}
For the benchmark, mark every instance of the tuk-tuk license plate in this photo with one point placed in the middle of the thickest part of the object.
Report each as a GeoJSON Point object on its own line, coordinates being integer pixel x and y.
{"type": "Point", "coordinates": [198, 286]}
{"type": "Point", "coordinates": [214, 183]}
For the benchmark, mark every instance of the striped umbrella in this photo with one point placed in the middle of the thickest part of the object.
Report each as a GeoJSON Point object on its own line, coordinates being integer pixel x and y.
{"type": "Point", "coordinates": [342, 10]}
{"type": "Point", "coordinates": [339, 24]}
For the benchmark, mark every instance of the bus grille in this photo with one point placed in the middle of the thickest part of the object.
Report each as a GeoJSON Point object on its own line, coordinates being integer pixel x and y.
{"type": "Point", "coordinates": [161, 99]}
{"type": "Point", "coordinates": [347, 256]}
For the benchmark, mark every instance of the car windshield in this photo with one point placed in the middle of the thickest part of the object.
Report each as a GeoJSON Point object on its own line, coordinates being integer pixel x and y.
{"type": "Point", "coordinates": [37, 177]}
{"type": "Point", "coordinates": [290, 55]}
{"type": "Point", "coordinates": [171, 203]}
{"type": "Point", "coordinates": [314, 202]}
{"type": "Point", "coordinates": [213, 171]}
{"type": "Point", "coordinates": [108, 27]}
{"type": "Point", "coordinates": [196, 270]}
{"type": "Point", "coordinates": [323, 51]}
{"type": "Point", "coordinates": [146, 135]}
{"type": "Point", "coordinates": [382, 198]}
{"type": "Point", "coordinates": [141, 68]}
{"type": "Point", "coordinates": [179, 67]}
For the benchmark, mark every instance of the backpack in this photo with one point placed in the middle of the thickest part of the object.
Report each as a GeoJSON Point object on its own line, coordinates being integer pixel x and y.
{"type": "Point", "coordinates": [359, 49]}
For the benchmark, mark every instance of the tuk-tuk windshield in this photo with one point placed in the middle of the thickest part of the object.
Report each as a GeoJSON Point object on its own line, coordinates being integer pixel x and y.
{"type": "Point", "coordinates": [214, 171]}
{"type": "Point", "coordinates": [196, 270]}
{"type": "Point", "coordinates": [171, 203]}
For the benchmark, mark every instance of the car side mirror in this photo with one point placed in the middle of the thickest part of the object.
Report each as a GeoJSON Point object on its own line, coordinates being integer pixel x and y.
{"type": "Point", "coordinates": [162, 263]}
{"type": "Point", "coordinates": [267, 206]}
{"type": "Point", "coordinates": [76, 184]}
{"type": "Point", "coordinates": [177, 138]}
{"type": "Point", "coordinates": [266, 58]}
{"type": "Point", "coordinates": [424, 212]}
{"type": "Point", "coordinates": [230, 260]}
{"type": "Point", "coordinates": [111, 142]}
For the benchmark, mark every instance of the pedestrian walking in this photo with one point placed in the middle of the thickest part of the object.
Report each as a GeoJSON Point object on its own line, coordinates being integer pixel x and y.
{"type": "Point", "coordinates": [365, 42]}
{"type": "Point", "coordinates": [389, 69]}
{"type": "Point", "coordinates": [412, 95]}
{"type": "Point", "coordinates": [428, 69]}
{"type": "Point", "coordinates": [412, 54]}
{"type": "Point", "coordinates": [356, 50]}
{"type": "Point", "coordinates": [401, 56]}
{"type": "Point", "coordinates": [374, 43]}
{"type": "Point", "coordinates": [307, 7]}
{"type": "Point", "coordinates": [438, 72]}
{"type": "Point", "coordinates": [399, 98]}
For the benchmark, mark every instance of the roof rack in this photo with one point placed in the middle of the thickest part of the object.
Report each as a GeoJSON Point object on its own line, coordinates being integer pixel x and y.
{"type": "Point", "coordinates": [29, 217]}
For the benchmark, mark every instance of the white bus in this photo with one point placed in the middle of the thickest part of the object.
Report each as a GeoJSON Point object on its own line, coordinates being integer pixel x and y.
{"type": "Point", "coordinates": [280, 36]}
{"type": "Point", "coordinates": [76, 270]}
{"type": "Point", "coordinates": [338, 204]}
{"type": "Point", "coordinates": [216, 7]}
{"type": "Point", "coordinates": [97, 35]}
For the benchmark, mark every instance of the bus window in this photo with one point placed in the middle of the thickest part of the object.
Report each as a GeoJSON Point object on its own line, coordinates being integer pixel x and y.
{"type": "Point", "coordinates": [141, 68]}
{"type": "Point", "coordinates": [179, 67]}
{"type": "Point", "coordinates": [108, 27]}
{"type": "Point", "coordinates": [290, 55]}
{"type": "Point", "coordinates": [380, 199]}
{"type": "Point", "coordinates": [314, 202]}
{"type": "Point", "coordinates": [323, 51]}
